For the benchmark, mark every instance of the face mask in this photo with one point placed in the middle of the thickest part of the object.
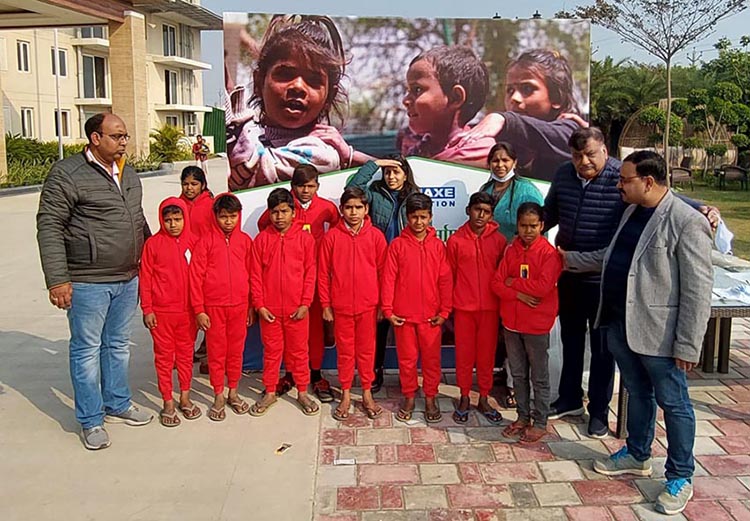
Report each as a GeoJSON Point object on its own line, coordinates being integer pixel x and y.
{"type": "Point", "coordinates": [507, 177]}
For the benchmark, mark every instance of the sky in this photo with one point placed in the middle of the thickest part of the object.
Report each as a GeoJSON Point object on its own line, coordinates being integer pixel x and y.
{"type": "Point", "coordinates": [603, 42]}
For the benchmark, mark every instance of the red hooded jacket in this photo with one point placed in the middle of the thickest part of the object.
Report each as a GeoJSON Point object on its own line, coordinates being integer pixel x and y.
{"type": "Point", "coordinates": [313, 219]}
{"type": "Point", "coordinates": [474, 261]}
{"type": "Point", "coordinates": [220, 269]}
{"type": "Point", "coordinates": [201, 213]}
{"type": "Point", "coordinates": [417, 282]}
{"type": "Point", "coordinates": [163, 276]}
{"type": "Point", "coordinates": [535, 271]}
{"type": "Point", "coordinates": [349, 265]}
{"type": "Point", "coordinates": [283, 276]}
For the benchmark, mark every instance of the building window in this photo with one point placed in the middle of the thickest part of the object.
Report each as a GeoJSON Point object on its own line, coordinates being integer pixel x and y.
{"type": "Point", "coordinates": [27, 122]}
{"type": "Point", "coordinates": [94, 77]}
{"type": "Point", "coordinates": [169, 36]}
{"type": "Point", "coordinates": [172, 120]}
{"type": "Point", "coordinates": [22, 52]}
{"type": "Point", "coordinates": [186, 41]}
{"type": "Point", "coordinates": [64, 122]}
{"type": "Point", "coordinates": [63, 61]}
{"type": "Point", "coordinates": [191, 128]}
{"type": "Point", "coordinates": [92, 32]}
{"type": "Point", "coordinates": [170, 84]}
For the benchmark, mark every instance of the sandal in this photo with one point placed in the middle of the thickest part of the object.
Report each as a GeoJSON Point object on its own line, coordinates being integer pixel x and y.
{"type": "Point", "coordinates": [169, 419]}
{"type": "Point", "coordinates": [239, 406]}
{"type": "Point", "coordinates": [322, 389]}
{"type": "Point", "coordinates": [533, 435]}
{"type": "Point", "coordinates": [190, 412]}
{"type": "Point", "coordinates": [460, 416]}
{"type": "Point", "coordinates": [217, 415]}
{"type": "Point", "coordinates": [492, 415]}
{"type": "Point", "coordinates": [308, 406]}
{"type": "Point", "coordinates": [433, 417]}
{"type": "Point", "coordinates": [516, 428]}
{"type": "Point", "coordinates": [510, 399]}
{"type": "Point", "coordinates": [259, 408]}
{"type": "Point", "coordinates": [340, 414]}
{"type": "Point", "coordinates": [285, 384]}
{"type": "Point", "coordinates": [404, 415]}
{"type": "Point", "coordinates": [373, 412]}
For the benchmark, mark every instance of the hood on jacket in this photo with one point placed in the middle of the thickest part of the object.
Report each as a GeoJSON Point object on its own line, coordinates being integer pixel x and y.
{"type": "Point", "coordinates": [216, 222]}
{"type": "Point", "coordinates": [465, 230]}
{"type": "Point", "coordinates": [408, 234]}
{"type": "Point", "coordinates": [366, 223]}
{"type": "Point", "coordinates": [174, 201]}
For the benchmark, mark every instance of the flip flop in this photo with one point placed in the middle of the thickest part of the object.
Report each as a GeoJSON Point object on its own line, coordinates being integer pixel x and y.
{"type": "Point", "coordinates": [510, 399]}
{"type": "Point", "coordinates": [460, 416]}
{"type": "Point", "coordinates": [433, 417]}
{"type": "Point", "coordinates": [239, 406]}
{"type": "Point", "coordinates": [493, 416]}
{"type": "Point", "coordinates": [322, 389]}
{"type": "Point", "coordinates": [169, 420]}
{"type": "Point", "coordinates": [404, 415]}
{"type": "Point", "coordinates": [515, 429]}
{"type": "Point", "coordinates": [340, 414]}
{"type": "Point", "coordinates": [191, 413]}
{"type": "Point", "coordinates": [217, 415]}
{"type": "Point", "coordinates": [258, 409]}
{"type": "Point", "coordinates": [373, 412]}
{"type": "Point", "coordinates": [308, 406]}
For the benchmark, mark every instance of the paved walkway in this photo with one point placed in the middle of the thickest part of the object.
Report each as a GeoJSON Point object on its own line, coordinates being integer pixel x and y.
{"type": "Point", "coordinates": [206, 471]}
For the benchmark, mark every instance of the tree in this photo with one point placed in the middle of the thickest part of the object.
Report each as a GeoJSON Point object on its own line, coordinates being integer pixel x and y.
{"type": "Point", "coordinates": [662, 28]}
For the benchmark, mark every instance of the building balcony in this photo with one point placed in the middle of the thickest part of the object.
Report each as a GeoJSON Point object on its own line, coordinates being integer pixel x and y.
{"type": "Point", "coordinates": [93, 102]}
{"type": "Point", "coordinates": [180, 107]}
{"type": "Point", "coordinates": [181, 63]}
{"type": "Point", "coordinates": [96, 44]}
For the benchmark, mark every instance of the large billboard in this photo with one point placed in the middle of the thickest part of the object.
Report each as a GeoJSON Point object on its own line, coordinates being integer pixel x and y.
{"type": "Point", "coordinates": [335, 92]}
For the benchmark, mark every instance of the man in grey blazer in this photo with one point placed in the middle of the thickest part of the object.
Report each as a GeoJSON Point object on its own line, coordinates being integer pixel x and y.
{"type": "Point", "coordinates": [654, 306]}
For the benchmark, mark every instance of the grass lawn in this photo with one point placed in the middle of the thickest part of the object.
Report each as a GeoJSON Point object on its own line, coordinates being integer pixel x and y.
{"type": "Point", "coordinates": [735, 210]}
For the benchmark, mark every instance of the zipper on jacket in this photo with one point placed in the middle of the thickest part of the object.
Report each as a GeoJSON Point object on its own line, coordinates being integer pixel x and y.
{"type": "Point", "coordinates": [229, 267]}
{"type": "Point", "coordinates": [479, 272]}
{"type": "Point", "coordinates": [578, 213]}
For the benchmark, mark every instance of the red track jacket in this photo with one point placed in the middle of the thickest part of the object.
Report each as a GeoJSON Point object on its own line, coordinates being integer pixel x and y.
{"type": "Point", "coordinates": [474, 261]}
{"type": "Point", "coordinates": [313, 219]}
{"type": "Point", "coordinates": [284, 268]}
{"type": "Point", "coordinates": [349, 266]}
{"type": "Point", "coordinates": [201, 213]}
{"type": "Point", "coordinates": [220, 269]}
{"type": "Point", "coordinates": [417, 283]}
{"type": "Point", "coordinates": [163, 276]}
{"type": "Point", "coordinates": [541, 265]}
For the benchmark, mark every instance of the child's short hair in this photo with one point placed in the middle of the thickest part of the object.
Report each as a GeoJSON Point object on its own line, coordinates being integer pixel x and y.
{"type": "Point", "coordinates": [195, 172]}
{"type": "Point", "coordinates": [418, 201]}
{"type": "Point", "coordinates": [170, 208]}
{"type": "Point", "coordinates": [304, 174]}
{"type": "Point", "coordinates": [530, 208]}
{"type": "Point", "coordinates": [313, 39]}
{"type": "Point", "coordinates": [227, 202]}
{"type": "Point", "coordinates": [554, 69]}
{"type": "Point", "coordinates": [458, 65]}
{"type": "Point", "coordinates": [353, 192]}
{"type": "Point", "coordinates": [279, 196]}
{"type": "Point", "coordinates": [480, 198]}
{"type": "Point", "coordinates": [502, 145]}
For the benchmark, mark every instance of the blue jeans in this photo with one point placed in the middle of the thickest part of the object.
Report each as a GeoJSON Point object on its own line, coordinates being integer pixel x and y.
{"type": "Point", "coordinates": [652, 380]}
{"type": "Point", "coordinates": [99, 320]}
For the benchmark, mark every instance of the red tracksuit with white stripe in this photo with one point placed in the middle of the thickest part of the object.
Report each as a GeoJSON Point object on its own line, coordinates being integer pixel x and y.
{"type": "Point", "coordinates": [474, 260]}
{"type": "Point", "coordinates": [349, 265]}
{"type": "Point", "coordinates": [163, 288]}
{"type": "Point", "coordinates": [283, 279]}
{"type": "Point", "coordinates": [313, 219]}
{"type": "Point", "coordinates": [200, 213]}
{"type": "Point", "coordinates": [220, 287]}
{"type": "Point", "coordinates": [535, 271]}
{"type": "Point", "coordinates": [417, 285]}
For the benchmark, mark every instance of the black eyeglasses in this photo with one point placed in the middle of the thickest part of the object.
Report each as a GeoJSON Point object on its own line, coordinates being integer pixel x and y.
{"type": "Point", "coordinates": [117, 137]}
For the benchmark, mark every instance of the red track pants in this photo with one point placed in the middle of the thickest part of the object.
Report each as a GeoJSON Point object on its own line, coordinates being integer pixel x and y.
{"type": "Point", "coordinates": [355, 341]}
{"type": "Point", "coordinates": [316, 340]}
{"type": "Point", "coordinates": [225, 341]}
{"type": "Point", "coordinates": [174, 339]}
{"type": "Point", "coordinates": [415, 341]}
{"type": "Point", "coordinates": [285, 338]}
{"type": "Point", "coordinates": [476, 342]}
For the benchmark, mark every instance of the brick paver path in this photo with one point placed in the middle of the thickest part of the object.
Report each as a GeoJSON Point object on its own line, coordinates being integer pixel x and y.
{"type": "Point", "coordinates": [385, 470]}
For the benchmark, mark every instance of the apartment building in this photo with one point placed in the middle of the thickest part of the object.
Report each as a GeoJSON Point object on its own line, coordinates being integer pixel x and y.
{"type": "Point", "coordinates": [94, 74]}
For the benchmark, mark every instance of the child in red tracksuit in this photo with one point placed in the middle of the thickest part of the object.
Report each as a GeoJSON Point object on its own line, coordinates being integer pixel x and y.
{"type": "Point", "coordinates": [220, 295]}
{"type": "Point", "coordinates": [165, 302]}
{"type": "Point", "coordinates": [316, 215]}
{"type": "Point", "coordinates": [283, 286]}
{"type": "Point", "coordinates": [474, 253]}
{"type": "Point", "coordinates": [416, 296]}
{"type": "Point", "coordinates": [526, 282]}
{"type": "Point", "coordinates": [350, 258]}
